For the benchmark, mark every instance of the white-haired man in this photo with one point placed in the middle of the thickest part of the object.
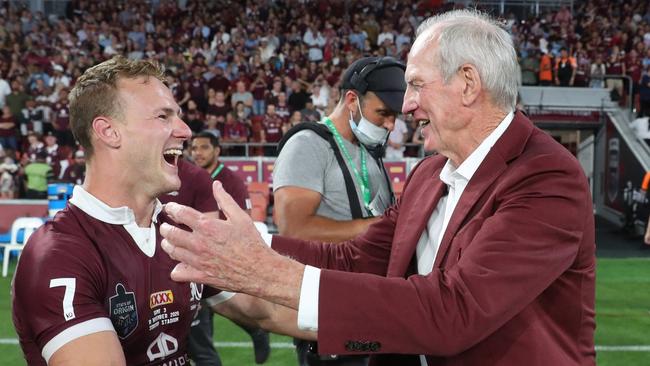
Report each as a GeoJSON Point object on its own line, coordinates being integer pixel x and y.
{"type": "Point", "coordinates": [488, 257]}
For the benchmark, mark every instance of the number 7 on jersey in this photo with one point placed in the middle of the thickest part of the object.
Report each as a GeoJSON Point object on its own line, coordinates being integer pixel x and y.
{"type": "Point", "coordinates": [70, 285]}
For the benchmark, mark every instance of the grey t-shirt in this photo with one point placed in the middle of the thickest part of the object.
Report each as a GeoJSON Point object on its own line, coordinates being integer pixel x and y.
{"type": "Point", "coordinates": [307, 161]}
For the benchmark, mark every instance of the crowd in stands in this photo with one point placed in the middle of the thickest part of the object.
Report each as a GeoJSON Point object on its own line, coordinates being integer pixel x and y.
{"type": "Point", "coordinates": [249, 70]}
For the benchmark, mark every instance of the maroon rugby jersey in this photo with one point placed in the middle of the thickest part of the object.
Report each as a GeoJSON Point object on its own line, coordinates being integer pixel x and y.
{"type": "Point", "coordinates": [83, 272]}
{"type": "Point", "coordinates": [196, 188]}
{"type": "Point", "coordinates": [235, 187]}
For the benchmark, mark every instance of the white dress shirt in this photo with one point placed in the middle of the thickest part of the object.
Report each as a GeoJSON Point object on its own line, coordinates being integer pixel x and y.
{"type": "Point", "coordinates": [456, 180]}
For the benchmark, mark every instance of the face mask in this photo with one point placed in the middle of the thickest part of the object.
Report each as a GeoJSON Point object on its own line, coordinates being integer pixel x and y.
{"type": "Point", "coordinates": [366, 132]}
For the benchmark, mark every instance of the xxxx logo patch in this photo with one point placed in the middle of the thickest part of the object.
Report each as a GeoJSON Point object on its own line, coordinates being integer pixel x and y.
{"type": "Point", "coordinates": [161, 298]}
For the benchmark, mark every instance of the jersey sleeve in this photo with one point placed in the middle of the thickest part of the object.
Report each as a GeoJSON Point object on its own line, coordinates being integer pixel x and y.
{"type": "Point", "coordinates": [236, 187]}
{"type": "Point", "coordinates": [57, 292]}
{"type": "Point", "coordinates": [302, 162]}
{"type": "Point", "coordinates": [214, 296]}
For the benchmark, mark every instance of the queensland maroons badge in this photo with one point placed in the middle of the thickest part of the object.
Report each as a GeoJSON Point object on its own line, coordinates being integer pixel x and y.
{"type": "Point", "coordinates": [124, 311]}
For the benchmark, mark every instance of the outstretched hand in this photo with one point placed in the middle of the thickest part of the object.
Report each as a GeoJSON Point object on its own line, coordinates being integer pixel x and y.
{"type": "Point", "coordinates": [227, 254]}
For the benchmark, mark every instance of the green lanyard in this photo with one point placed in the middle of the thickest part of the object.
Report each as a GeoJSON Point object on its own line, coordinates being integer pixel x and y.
{"type": "Point", "coordinates": [217, 171]}
{"type": "Point", "coordinates": [363, 177]}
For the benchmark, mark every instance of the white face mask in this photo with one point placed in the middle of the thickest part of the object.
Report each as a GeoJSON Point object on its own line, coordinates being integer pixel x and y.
{"type": "Point", "coordinates": [366, 132]}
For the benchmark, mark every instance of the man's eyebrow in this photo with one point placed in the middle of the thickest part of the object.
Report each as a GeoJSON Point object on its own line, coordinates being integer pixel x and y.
{"type": "Point", "coordinates": [170, 111]}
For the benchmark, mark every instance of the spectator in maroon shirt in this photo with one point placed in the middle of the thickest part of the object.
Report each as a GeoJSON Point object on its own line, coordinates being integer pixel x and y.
{"type": "Point", "coordinates": [234, 131]}
{"type": "Point", "coordinates": [271, 129]}
{"type": "Point", "coordinates": [217, 105]}
{"type": "Point", "coordinates": [198, 88]}
{"type": "Point", "coordinates": [61, 120]}
{"type": "Point", "coordinates": [258, 90]}
{"type": "Point", "coordinates": [218, 82]}
{"type": "Point", "coordinates": [76, 172]}
{"type": "Point", "coordinates": [282, 107]}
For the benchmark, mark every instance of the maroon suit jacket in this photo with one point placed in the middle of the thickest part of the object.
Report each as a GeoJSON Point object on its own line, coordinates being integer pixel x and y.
{"type": "Point", "coordinates": [513, 281]}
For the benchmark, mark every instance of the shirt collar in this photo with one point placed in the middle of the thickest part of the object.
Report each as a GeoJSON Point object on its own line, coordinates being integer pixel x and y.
{"type": "Point", "coordinates": [97, 209]}
{"type": "Point", "coordinates": [467, 169]}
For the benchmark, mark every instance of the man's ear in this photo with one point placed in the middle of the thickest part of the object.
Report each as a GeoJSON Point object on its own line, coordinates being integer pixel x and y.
{"type": "Point", "coordinates": [472, 84]}
{"type": "Point", "coordinates": [106, 132]}
{"type": "Point", "coordinates": [351, 101]}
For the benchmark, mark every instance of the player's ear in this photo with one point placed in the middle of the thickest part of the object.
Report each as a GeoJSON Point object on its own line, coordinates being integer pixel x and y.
{"type": "Point", "coordinates": [104, 129]}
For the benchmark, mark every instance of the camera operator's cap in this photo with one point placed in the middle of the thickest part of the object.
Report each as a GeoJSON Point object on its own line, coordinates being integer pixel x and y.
{"type": "Point", "coordinates": [383, 76]}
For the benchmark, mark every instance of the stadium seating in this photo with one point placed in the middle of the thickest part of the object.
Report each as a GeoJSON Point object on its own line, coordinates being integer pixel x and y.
{"type": "Point", "coordinates": [25, 224]}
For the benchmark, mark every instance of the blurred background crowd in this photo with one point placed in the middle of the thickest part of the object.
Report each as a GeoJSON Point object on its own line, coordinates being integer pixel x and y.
{"type": "Point", "coordinates": [249, 70]}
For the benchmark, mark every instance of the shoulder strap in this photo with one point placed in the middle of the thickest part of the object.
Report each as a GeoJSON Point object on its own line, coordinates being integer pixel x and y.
{"type": "Point", "coordinates": [324, 132]}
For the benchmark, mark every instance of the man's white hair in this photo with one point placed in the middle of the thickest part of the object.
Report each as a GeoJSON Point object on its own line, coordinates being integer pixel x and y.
{"type": "Point", "coordinates": [470, 36]}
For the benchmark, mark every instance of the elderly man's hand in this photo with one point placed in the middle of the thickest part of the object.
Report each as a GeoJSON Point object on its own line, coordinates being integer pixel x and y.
{"type": "Point", "coordinates": [229, 254]}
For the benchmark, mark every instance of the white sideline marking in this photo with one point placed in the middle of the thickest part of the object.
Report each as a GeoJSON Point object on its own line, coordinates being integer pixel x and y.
{"type": "Point", "coordinates": [630, 348]}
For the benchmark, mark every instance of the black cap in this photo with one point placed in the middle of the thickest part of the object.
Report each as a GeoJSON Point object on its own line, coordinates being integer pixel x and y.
{"type": "Point", "coordinates": [383, 76]}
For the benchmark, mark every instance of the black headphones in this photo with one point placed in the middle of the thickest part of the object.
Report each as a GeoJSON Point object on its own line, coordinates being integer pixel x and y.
{"type": "Point", "coordinates": [358, 79]}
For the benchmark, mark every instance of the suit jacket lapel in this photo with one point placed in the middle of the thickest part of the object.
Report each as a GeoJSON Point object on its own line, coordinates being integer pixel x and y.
{"type": "Point", "coordinates": [419, 208]}
{"type": "Point", "coordinates": [509, 146]}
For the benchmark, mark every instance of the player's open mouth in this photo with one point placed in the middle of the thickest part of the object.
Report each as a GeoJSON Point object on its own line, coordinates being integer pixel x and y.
{"type": "Point", "coordinates": [423, 122]}
{"type": "Point", "coordinates": [171, 156]}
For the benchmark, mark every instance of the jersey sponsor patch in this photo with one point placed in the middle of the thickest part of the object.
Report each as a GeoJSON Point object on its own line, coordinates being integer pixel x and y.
{"type": "Point", "coordinates": [163, 346]}
{"type": "Point", "coordinates": [124, 311]}
{"type": "Point", "coordinates": [161, 298]}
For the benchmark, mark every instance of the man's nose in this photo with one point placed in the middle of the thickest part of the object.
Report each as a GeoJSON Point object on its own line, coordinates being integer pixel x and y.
{"type": "Point", "coordinates": [182, 130]}
{"type": "Point", "coordinates": [409, 104]}
{"type": "Point", "coordinates": [389, 122]}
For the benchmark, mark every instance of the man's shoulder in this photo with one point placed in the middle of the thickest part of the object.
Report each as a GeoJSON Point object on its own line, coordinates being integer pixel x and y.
{"type": "Point", "coordinates": [62, 242]}
{"type": "Point", "coordinates": [230, 179]}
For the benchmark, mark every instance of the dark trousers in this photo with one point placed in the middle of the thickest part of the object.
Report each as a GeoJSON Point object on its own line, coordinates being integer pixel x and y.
{"type": "Point", "coordinates": [308, 357]}
{"type": "Point", "coordinates": [200, 347]}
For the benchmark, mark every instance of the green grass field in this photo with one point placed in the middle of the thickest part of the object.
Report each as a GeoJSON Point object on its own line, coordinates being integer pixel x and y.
{"type": "Point", "coordinates": [622, 318]}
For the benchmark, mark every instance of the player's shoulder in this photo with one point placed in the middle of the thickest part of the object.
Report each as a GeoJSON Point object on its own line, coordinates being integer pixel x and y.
{"type": "Point", "coordinates": [65, 236]}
